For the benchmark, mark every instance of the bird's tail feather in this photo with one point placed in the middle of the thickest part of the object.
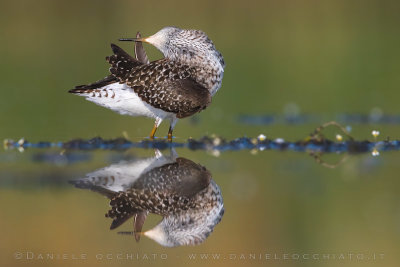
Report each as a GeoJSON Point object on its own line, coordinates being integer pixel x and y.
{"type": "Point", "coordinates": [97, 84]}
{"type": "Point", "coordinates": [121, 66]}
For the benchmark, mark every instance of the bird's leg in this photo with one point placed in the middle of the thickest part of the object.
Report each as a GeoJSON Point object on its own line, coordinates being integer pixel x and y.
{"type": "Point", "coordinates": [171, 128]}
{"type": "Point", "coordinates": [170, 134]}
{"type": "Point", "coordinates": [153, 131]}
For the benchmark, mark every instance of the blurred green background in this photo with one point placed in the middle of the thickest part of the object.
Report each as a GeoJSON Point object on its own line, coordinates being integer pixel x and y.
{"type": "Point", "coordinates": [327, 57]}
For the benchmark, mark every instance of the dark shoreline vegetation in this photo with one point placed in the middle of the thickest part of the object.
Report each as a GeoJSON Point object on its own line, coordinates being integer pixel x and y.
{"type": "Point", "coordinates": [315, 142]}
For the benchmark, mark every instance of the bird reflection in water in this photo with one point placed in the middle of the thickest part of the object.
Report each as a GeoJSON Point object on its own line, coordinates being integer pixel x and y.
{"type": "Point", "coordinates": [176, 188]}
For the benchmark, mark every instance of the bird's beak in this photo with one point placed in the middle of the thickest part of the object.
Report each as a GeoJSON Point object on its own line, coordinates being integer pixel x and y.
{"type": "Point", "coordinates": [136, 234]}
{"type": "Point", "coordinates": [134, 40]}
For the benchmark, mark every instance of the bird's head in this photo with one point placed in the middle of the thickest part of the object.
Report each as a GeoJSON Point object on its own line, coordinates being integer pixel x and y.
{"type": "Point", "coordinates": [180, 44]}
{"type": "Point", "coordinates": [193, 226]}
{"type": "Point", "coordinates": [173, 231]}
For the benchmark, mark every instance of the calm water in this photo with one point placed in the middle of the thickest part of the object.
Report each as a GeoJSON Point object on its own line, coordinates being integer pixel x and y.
{"type": "Point", "coordinates": [278, 206]}
{"type": "Point", "coordinates": [315, 59]}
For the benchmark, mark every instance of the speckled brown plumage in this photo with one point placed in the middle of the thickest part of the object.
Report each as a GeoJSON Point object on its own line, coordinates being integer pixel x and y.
{"type": "Point", "coordinates": [164, 84]}
{"type": "Point", "coordinates": [163, 190]}
{"type": "Point", "coordinates": [177, 86]}
{"type": "Point", "coordinates": [179, 190]}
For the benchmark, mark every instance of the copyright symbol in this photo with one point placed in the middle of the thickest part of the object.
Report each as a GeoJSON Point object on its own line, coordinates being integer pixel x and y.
{"type": "Point", "coordinates": [18, 255]}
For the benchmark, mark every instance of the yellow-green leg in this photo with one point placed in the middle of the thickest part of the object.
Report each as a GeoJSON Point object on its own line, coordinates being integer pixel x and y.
{"type": "Point", "coordinates": [170, 134]}
{"type": "Point", "coordinates": [153, 131]}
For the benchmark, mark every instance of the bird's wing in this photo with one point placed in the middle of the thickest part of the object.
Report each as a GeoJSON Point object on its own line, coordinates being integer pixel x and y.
{"type": "Point", "coordinates": [98, 84]}
{"type": "Point", "coordinates": [162, 84]}
{"type": "Point", "coordinates": [140, 53]}
{"type": "Point", "coordinates": [162, 190]}
{"type": "Point", "coordinates": [165, 85]}
{"type": "Point", "coordinates": [182, 178]}
{"type": "Point", "coordinates": [86, 184]}
{"type": "Point", "coordinates": [124, 62]}
{"type": "Point", "coordinates": [195, 178]}
{"type": "Point", "coordinates": [184, 97]}
{"type": "Point", "coordinates": [121, 210]}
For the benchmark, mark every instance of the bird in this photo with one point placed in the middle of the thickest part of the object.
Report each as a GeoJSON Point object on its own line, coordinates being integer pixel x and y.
{"type": "Point", "coordinates": [177, 86]}
{"type": "Point", "coordinates": [181, 191]}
